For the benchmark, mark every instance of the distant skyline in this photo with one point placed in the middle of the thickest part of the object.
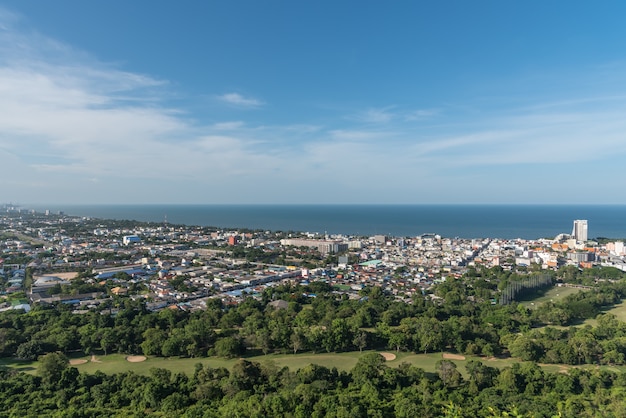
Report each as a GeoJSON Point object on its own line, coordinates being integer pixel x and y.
{"type": "Point", "coordinates": [349, 102]}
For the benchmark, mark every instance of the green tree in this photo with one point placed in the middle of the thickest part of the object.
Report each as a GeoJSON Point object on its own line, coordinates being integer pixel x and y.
{"type": "Point", "coordinates": [108, 340]}
{"type": "Point", "coordinates": [525, 348]}
{"type": "Point", "coordinates": [229, 347]}
{"type": "Point", "coordinates": [298, 340]}
{"type": "Point", "coordinates": [448, 373]}
{"type": "Point", "coordinates": [30, 350]}
{"type": "Point", "coordinates": [480, 374]}
{"type": "Point", "coordinates": [360, 340]}
{"type": "Point", "coordinates": [51, 367]}
{"type": "Point", "coordinates": [369, 368]}
{"type": "Point", "coordinates": [153, 339]}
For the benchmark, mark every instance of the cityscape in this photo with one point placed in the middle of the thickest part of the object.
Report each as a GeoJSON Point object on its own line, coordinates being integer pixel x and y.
{"type": "Point", "coordinates": [206, 259]}
{"type": "Point", "coordinates": [353, 209]}
{"type": "Point", "coordinates": [215, 306]}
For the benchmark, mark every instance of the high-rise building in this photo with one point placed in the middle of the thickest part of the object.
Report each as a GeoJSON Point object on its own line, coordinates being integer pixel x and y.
{"type": "Point", "coordinates": [580, 230]}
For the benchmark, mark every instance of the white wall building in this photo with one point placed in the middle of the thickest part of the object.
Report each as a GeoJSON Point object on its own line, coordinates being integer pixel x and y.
{"type": "Point", "coordinates": [579, 232]}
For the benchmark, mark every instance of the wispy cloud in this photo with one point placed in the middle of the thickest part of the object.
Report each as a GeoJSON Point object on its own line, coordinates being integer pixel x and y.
{"type": "Point", "coordinates": [228, 126]}
{"type": "Point", "coordinates": [63, 122]}
{"type": "Point", "coordinates": [531, 138]}
{"type": "Point", "coordinates": [420, 114]}
{"type": "Point", "coordinates": [383, 115]}
{"type": "Point", "coordinates": [237, 99]}
{"type": "Point", "coordinates": [76, 128]}
{"type": "Point", "coordinates": [388, 114]}
{"type": "Point", "coordinates": [359, 135]}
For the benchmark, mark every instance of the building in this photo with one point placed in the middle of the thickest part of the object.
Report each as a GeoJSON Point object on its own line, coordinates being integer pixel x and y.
{"type": "Point", "coordinates": [323, 246]}
{"type": "Point", "coordinates": [581, 257]}
{"type": "Point", "coordinates": [579, 232]}
{"type": "Point", "coordinates": [130, 239]}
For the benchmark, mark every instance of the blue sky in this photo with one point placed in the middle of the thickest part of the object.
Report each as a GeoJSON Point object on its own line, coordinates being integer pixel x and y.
{"type": "Point", "coordinates": [312, 102]}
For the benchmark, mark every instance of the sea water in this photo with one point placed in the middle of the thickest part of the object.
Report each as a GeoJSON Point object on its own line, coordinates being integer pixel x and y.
{"type": "Point", "coordinates": [464, 221]}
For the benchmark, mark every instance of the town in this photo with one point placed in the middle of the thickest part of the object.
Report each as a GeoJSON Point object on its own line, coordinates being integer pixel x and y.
{"type": "Point", "coordinates": [83, 262]}
{"type": "Point", "coordinates": [175, 320]}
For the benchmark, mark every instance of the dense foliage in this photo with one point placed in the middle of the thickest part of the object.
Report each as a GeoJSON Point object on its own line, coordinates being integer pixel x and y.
{"type": "Point", "coordinates": [458, 317]}
{"type": "Point", "coordinates": [370, 389]}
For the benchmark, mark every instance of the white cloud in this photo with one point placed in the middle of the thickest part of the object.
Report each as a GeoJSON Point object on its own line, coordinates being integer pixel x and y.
{"type": "Point", "coordinates": [75, 129]}
{"type": "Point", "coordinates": [376, 115]}
{"type": "Point", "coordinates": [421, 114]}
{"type": "Point", "coordinates": [558, 137]}
{"type": "Point", "coordinates": [66, 122]}
{"type": "Point", "coordinates": [359, 135]}
{"type": "Point", "coordinates": [237, 99]}
{"type": "Point", "coordinates": [228, 126]}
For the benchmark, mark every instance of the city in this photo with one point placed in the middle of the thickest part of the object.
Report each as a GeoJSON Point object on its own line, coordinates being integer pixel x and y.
{"type": "Point", "coordinates": [205, 263]}
{"type": "Point", "coordinates": [196, 319]}
{"type": "Point", "coordinates": [318, 209]}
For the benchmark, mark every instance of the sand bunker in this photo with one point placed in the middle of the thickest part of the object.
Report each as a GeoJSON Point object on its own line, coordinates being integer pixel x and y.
{"type": "Point", "coordinates": [449, 356]}
{"type": "Point", "coordinates": [135, 359]}
{"type": "Point", "coordinates": [77, 361]}
{"type": "Point", "coordinates": [388, 356]}
{"type": "Point", "coordinates": [66, 276]}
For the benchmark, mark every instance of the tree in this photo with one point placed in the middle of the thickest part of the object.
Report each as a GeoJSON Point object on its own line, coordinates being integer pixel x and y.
{"type": "Point", "coordinates": [30, 350]}
{"type": "Point", "coordinates": [229, 347]}
{"type": "Point", "coordinates": [397, 339]}
{"type": "Point", "coordinates": [263, 340]}
{"type": "Point", "coordinates": [297, 340]}
{"type": "Point", "coordinates": [339, 336]}
{"type": "Point", "coordinates": [153, 339]}
{"type": "Point", "coordinates": [448, 373]}
{"type": "Point", "coordinates": [174, 403]}
{"type": "Point", "coordinates": [584, 345]}
{"type": "Point", "coordinates": [360, 340]}
{"type": "Point", "coordinates": [480, 374]}
{"type": "Point", "coordinates": [244, 375]}
{"type": "Point", "coordinates": [51, 367]}
{"type": "Point", "coordinates": [109, 340]}
{"type": "Point", "coordinates": [525, 348]}
{"type": "Point", "coordinates": [8, 341]}
{"type": "Point", "coordinates": [86, 337]}
{"type": "Point", "coordinates": [369, 368]}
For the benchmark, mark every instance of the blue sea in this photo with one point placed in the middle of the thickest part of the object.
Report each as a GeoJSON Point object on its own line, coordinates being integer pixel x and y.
{"type": "Point", "coordinates": [464, 221]}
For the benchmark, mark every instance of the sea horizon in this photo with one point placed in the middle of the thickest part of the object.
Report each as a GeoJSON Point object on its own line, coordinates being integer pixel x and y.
{"type": "Point", "coordinates": [473, 220]}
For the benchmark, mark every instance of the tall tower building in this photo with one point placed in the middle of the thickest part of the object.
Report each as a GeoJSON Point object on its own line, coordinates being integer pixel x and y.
{"type": "Point", "coordinates": [580, 230]}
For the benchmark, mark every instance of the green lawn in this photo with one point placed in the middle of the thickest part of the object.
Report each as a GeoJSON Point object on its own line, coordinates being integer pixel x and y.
{"type": "Point", "coordinates": [618, 310]}
{"type": "Point", "coordinates": [117, 363]}
{"type": "Point", "coordinates": [555, 294]}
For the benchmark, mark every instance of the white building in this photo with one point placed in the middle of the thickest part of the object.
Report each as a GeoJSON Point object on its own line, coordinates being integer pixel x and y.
{"type": "Point", "coordinates": [579, 232]}
{"type": "Point", "coordinates": [128, 239]}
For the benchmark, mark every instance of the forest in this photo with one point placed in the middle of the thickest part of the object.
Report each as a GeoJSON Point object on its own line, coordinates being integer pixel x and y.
{"type": "Point", "coordinates": [456, 318]}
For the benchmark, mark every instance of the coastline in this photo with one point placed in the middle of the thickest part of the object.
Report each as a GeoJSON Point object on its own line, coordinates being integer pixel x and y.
{"type": "Point", "coordinates": [527, 221]}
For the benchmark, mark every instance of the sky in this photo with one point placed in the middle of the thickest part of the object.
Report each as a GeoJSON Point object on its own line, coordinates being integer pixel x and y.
{"type": "Point", "coordinates": [153, 101]}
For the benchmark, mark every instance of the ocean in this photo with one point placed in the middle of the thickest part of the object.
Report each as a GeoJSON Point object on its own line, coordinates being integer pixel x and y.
{"type": "Point", "coordinates": [464, 221]}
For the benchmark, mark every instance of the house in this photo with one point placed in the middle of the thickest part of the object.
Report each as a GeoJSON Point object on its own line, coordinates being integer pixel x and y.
{"type": "Point", "coordinates": [279, 304]}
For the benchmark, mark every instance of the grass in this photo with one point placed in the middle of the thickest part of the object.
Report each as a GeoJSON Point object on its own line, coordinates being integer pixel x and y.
{"type": "Point", "coordinates": [619, 310]}
{"type": "Point", "coordinates": [117, 363]}
{"type": "Point", "coordinates": [555, 294]}
{"type": "Point", "coordinates": [22, 366]}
